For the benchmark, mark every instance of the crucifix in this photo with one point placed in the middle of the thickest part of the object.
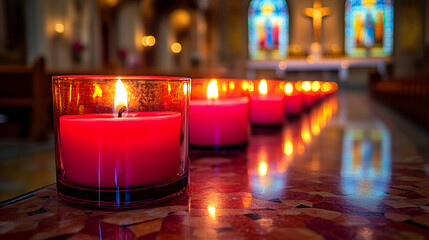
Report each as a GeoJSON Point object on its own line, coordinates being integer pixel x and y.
{"type": "Point", "coordinates": [317, 13]}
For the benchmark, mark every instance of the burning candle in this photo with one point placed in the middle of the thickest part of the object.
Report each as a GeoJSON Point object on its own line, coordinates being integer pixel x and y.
{"type": "Point", "coordinates": [215, 122]}
{"type": "Point", "coordinates": [267, 106]}
{"type": "Point", "coordinates": [111, 149]}
{"type": "Point", "coordinates": [293, 99]}
{"type": "Point", "coordinates": [307, 94]}
{"type": "Point", "coordinates": [99, 152]}
{"type": "Point", "coordinates": [315, 88]}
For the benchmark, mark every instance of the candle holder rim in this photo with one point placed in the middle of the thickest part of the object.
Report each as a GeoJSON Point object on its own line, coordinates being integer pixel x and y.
{"type": "Point", "coordinates": [218, 79]}
{"type": "Point", "coordinates": [118, 77]}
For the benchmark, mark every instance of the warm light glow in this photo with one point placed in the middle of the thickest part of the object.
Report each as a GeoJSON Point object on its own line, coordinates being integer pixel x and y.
{"type": "Point", "coordinates": [244, 85]}
{"type": "Point", "coordinates": [212, 91]}
{"type": "Point", "coordinates": [315, 129]}
{"type": "Point", "coordinates": [310, 59]}
{"type": "Point", "coordinates": [289, 89]}
{"type": "Point", "coordinates": [298, 86]}
{"type": "Point", "coordinates": [301, 148]}
{"type": "Point", "coordinates": [306, 86]}
{"type": "Point", "coordinates": [315, 86]}
{"type": "Point", "coordinates": [120, 98]}
{"type": "Point", "coordinates": [282, 65]}
{"type": "Point", "coordinates": [97, 91]}
{"type": "Point", "coordinates": [288, 148]}
{"type": "Point", "coordinates": [262, 169]}
{"type": "Point", "coordinates": [212, 211]}
{"type": "Point", "coordinates": [70, 93]}
{"type": "Point", "coordinates": [59, 28]}
{"type": "Point", "coordinates": [169, 88]}
{"type": "Point", "coordinates": [180, 20]}
{"type": "Point", "coordinates": [185, 88]}
{"type": "Point", "coordinates": [263, 87]}
{"type": "Point", "coordinates": [111, 3]}
{"type": "Point", "coordinates": [231, 85]}
{"type": "Point", "coordinates": [224, 87]}
{"type": "Point", "coordinates": [326, 87]}
{"type": "Point", "coordinates": [148, 41]}
{"type": "Point", "coordinates": [282, 85]}
{"type": "Point", "coordinates": [176, 47]}
{"type": "Point", "coordinates": [251, 86]}
{"type": "Point", "coordinates": [306, 136]}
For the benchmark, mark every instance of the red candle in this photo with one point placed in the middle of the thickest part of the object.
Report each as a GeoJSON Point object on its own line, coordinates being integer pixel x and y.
{"type": "Point", "coordinates": [101, 150]}
{"type": "Point", "coordinates": [315, 88]}
{"type": "Point", "coordinates": [218, 122]}
{"type": "Point", "coordinates": [266, 109]}
{"type": "Point", "coordinates": [293, 100]}
{"type": "Point", "coordinates": [308, 99]}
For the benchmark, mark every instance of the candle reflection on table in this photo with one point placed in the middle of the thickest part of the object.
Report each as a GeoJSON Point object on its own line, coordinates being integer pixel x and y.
{"type": "Point", "coordinates": [267, 169]}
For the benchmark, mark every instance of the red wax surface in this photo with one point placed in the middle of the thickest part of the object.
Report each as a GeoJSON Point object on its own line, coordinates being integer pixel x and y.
{"type": "Point", "coordinates": [219, 122]}
{"type": "Point", "coordinates": [98, 150]}
{"type": "Point", "coordinates": [266, 110]}
{"type": "Point", "coordinates": [308, 100]}
{"type": "Point", "coordinates": [293, 104]}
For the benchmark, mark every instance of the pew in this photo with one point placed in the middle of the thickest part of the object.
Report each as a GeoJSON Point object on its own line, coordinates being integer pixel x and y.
{"type": "Point", "coordinates": [408, 95]}
{"type": "Point", "coordinates": [26, 87]}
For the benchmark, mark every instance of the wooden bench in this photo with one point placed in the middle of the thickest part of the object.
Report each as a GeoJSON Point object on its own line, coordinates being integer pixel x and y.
{"type": "Point", "coordinates": [26, 87]}
{"type": "Point", "coordinates": [409, 96]}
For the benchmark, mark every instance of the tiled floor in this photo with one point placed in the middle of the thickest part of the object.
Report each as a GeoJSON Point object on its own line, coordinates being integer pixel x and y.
{"type": "Point", "coordinates": [349, 169]}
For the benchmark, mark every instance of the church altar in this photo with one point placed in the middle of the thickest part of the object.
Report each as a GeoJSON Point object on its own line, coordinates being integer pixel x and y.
{"type": "Point", "coordinates": [342, 65]}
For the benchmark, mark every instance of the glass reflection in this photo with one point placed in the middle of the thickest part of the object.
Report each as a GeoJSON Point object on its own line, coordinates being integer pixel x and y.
{"type": "Point", "coordinates": [366, 163]}
{"type": "Point", "coordinates": [270, 155]}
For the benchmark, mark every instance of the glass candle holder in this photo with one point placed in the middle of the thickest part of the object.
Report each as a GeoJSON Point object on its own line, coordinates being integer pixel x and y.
{"type": "Point", "coordinates": [121, 141]}
{"type": "Point", "coordinates": [293, 99]}
{"type": "Point", "coordinates": [219, 114]}
{"type": "Point", "coordinates": [267, 102]}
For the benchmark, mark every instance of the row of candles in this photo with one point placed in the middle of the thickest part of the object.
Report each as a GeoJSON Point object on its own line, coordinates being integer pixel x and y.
{"type": "Point", "coordinates": [139, 155]}
{"type": "Point", "coordinates": [224, 122]}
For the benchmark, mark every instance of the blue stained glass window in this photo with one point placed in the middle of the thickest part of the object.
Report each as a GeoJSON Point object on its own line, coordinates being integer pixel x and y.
{"type": "Point", "coordinates": [268, 29]}
{"type": "Point", "coordinates": [369, 28]}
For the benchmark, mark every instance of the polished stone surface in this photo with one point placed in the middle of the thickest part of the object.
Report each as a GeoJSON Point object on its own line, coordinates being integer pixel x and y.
{"type": "Point", "coordinates": [345, 170]}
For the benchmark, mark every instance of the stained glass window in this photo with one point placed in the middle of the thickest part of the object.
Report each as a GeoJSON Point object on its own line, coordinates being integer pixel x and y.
{"type": "Point", "coordinates": [268, 29]}
{"type": "Point", "coordinates": [369, 28]}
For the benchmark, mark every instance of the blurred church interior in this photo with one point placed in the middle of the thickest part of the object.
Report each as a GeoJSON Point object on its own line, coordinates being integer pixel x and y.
{"type": "Point", "coordinates": [379, 48]}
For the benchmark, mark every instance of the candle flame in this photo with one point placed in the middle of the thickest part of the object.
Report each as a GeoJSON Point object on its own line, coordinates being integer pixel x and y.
{"type": "Point", "coordinates": [244, 85]}
{"type": "Point", "coordinates": [288, 89]}
{"type": "Point", "coordinates": [224, 87]}
{"type": "Point", "coordinates": [326, 87]}
{"type": "Point", "coordinates": [120, 100]}
{"type": "Point", "coordinates": [306, 86]}
{"type": "Point", "coordinates": [263, 87]}
{"type": "Point", "coordinates": [262, 169]}
{"type": "Point", "coordinates": [315, 86]}
{"type": "Point", "coordinates": [231, 85]}
{"type": "Point", "coordinates": [251, 86]}
{"type": "Point", "coordinates": [212, 91]}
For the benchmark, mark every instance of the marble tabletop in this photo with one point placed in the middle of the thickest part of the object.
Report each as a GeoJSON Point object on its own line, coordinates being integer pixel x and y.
{"type": "Point", "coordinates": [333, 173]}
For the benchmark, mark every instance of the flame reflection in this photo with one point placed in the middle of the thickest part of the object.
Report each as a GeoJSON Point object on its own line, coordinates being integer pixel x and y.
{"type": "Point", "coordinates": [212, 90]}
{"type": "Point", "coordinates": [266, 166]}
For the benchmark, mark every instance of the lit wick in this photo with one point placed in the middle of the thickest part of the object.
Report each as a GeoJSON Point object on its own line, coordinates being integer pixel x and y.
{"type": "Point", "coordinates": [122, 110]}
